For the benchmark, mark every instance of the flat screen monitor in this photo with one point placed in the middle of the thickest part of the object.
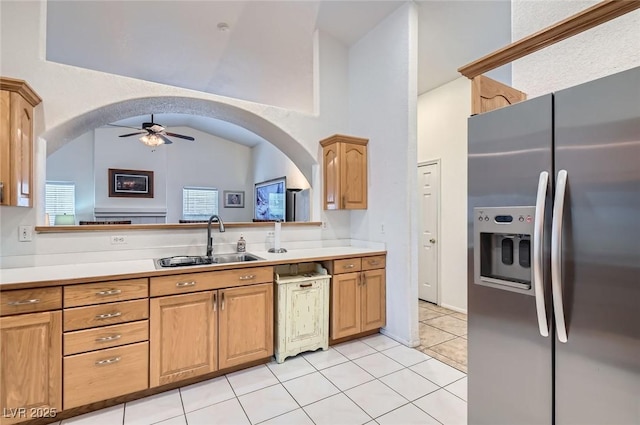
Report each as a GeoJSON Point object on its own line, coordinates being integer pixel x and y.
{"type": "Point", "coordinates": [270, 200]}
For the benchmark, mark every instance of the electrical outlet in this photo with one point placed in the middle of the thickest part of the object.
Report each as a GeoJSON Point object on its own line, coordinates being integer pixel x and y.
{"type": "Point", "coordinates": [382, 228]}
{"type": "Point", "coordinates": [25, 233]}
{"type": "Point", "coordinates": [118, 240]}
{"type": "Point", "coordinates": [324, 224]}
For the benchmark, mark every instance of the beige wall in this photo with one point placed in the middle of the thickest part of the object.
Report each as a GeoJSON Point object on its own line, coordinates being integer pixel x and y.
{"type": "Point", "coordinates": [442, 134]}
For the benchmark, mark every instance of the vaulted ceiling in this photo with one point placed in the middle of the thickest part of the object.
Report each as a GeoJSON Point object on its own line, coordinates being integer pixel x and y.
{"type": "Point", "coordinates": [260, 51]}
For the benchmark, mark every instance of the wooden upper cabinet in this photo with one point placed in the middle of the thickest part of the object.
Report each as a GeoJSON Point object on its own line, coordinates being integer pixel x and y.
{"type": "Point", "coordinates": [246, 324]}
{"type": "Point", "coordinates": [183, 337]}
{"type": "Point", "coordinates": [17, 101]}
{"type": "Point", "coordinates": [345, 172]}
{"type": "Point", "coordinates": [488, 94]}
{"type": "Point", "coordinates": [31, 366]}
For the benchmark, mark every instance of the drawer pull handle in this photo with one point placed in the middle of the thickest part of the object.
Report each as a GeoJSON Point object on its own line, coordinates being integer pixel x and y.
{"type": "Point", "coordinates": [349, 266]}
{"type": "Point", "coordinates": [25, 302]}
{"type": "Point", "coordinates": [108, 315]}
{"type": "Point", "coordinates": [108, 361]}
{"type": "Point", "coordinates": [248, 277]}
{"type": "Point", "coordinates": [306, 285]}
{"type": "Point", "coordinates": [109, 292]}
{"type": "Point", "coordinates": [374, 262]}
{"type": "Point", "coordinates": [109, 338]}
{"type": "Point", "coordinates": [183, 284]}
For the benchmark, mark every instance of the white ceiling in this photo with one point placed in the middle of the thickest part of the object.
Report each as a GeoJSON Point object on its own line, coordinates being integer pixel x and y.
{"type": "Point", "coordinates": [266, 56]}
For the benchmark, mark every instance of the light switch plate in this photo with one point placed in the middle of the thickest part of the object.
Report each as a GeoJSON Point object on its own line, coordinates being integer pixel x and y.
{"type": "Point", "coordinates": [25, 233]}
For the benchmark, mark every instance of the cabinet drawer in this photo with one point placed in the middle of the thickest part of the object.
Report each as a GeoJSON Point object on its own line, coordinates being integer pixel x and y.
{"type": "Point", "coordinates": [105, 337]}
{"type": "Point", "coordinates": [30, 300]}
{"type": "Point", "coordinates": [193, 282]}
{"type": "Point", "coordinates": [105, 374]}
{"type": "Point", "coordinates": [105, 314]}
{"type": "Point", "coordinates": [105, 292]}
{"type": "Point", "coordinates": [248, 276]}
{"type": "Point", "coordinates": [377, 262]}
{"type": "Point", "coordinates": [346, 266]}
{"type": "Point", "coordinates": [181, 283]}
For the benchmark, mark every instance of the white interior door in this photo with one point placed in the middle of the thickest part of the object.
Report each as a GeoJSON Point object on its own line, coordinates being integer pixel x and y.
{"type": "Point", "coordinates": [429, 187]}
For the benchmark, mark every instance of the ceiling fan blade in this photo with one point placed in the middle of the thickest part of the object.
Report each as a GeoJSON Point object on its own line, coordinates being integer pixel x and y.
{"type": "Point", "coordinates": [179, 136]}
{"type": "Point", "coordinates": [164, 138]}
{"type": "Point", "coordinates": [124, 126]}
{"type": "Point", "coordinates": [133, 134]}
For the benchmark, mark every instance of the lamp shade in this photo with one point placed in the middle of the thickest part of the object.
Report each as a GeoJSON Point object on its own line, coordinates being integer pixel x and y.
{"type": "Point", "coordinates": [66, 220]}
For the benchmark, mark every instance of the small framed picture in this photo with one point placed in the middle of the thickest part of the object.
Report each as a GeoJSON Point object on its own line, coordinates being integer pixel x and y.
{"type": "Point", "coordinates": [233, 198]}
{"type": "Point", "coordinates": [130, 183]}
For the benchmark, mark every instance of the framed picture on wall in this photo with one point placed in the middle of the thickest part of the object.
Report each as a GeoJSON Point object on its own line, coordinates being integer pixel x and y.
{"type": "Point", "coordinates": [130, 183]}
{"type": "Point", "coordinates": [233, 198]}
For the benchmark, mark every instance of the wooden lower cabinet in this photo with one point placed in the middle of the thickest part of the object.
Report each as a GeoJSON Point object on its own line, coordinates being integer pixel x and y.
{"type": "Point", "coordinates": [183, 337]}
{"type": "Point", "coordinates": [373, 299]}
{"type": "Point", "coordinates": [104, 374]}
{"type": "Point", "coordinates": [31, 366]}
{"type": "Point", "coordinates": [246, 324]}
{"type": "Point", "coordinates": [345, 305]}
{"type": "Point", "coordinates": [358, 298]}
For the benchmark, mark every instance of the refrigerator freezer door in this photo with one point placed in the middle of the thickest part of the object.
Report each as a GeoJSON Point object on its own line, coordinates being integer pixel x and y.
{"type": "Point", "coordinates": [597, 139]}
{"type": "Point", "coordinates": [510, 363]}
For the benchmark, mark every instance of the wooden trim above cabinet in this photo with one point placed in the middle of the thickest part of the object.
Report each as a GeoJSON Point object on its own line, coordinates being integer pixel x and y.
{"type": "Point", "coordinates": [21, 87]}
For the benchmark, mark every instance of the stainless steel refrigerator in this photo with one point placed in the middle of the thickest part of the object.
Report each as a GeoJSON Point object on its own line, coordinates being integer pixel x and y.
{"type": "Point", "coordinates": [554, 258]}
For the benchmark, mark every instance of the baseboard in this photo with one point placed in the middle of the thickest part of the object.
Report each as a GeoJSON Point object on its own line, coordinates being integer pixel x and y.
{"type": "Point", "coordinates": [454, 308]}
{"type": "Point", "coordinates": [408, 343]}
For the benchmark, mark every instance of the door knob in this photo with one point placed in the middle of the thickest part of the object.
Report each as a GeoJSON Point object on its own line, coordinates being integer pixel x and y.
{"type": "Point", "coordinates": [432, 240]}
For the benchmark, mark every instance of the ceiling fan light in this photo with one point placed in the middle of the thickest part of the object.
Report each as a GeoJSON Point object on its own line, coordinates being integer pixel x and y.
{"type": "Point", "coordinates": [151, 140]}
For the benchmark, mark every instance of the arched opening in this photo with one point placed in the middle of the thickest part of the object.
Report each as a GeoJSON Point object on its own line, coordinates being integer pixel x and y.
{"type": "Point", "coordinates": [289, 150]}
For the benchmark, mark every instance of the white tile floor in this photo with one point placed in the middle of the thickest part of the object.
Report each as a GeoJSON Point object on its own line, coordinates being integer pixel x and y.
{"type": "Point", "coordinates": [374, 380]}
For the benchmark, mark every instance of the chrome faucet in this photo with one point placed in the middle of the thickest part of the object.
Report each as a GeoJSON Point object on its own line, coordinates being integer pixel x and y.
{"type": "Point", "coordinates": [209, 238]}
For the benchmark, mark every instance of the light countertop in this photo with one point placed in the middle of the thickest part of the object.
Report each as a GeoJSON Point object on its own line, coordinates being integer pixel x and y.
{"type": "Point", "coordinates": [15, 278]}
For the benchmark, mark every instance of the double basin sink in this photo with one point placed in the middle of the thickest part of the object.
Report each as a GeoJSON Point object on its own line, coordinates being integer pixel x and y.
{"type": "Point", "coordinates": [197, 260]}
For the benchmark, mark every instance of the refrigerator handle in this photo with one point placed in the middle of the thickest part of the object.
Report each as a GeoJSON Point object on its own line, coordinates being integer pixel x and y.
{"type": "Point", "coordinates": [556, 254]}
{"type": "Point", "coordinates": [538, 246]}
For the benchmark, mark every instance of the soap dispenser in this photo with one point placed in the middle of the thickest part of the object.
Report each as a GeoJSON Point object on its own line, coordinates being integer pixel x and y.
{"type": "Point", "coordinates": [242, 244]}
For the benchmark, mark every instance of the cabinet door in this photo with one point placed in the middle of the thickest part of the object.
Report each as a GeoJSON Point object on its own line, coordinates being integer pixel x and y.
{"type": "Point", "coordinates": [345, 305]}
{"type": "Point", "coordinates": [373, 299]}
{"type": "Point", "coordinates": [31, 366]}
{"type": "Point", "coordinates": [22, 141]}
{"type": "Point", "coordinates": [331, 174]}
{"type": "Point", "coordinates": [5, 147]}
{"type": "Point", "coordinates": [353, 176]}
{"type": "Point", "coordinates": [246, 324]}
{"type": "Point", "coordinates": [183, 337]}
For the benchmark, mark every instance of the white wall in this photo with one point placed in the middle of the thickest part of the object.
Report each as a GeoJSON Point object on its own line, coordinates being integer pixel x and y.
{"type": "Point", "coordinates": [442, 134]}
{"type": "Point", "coordinates": [382, 108]}
{"type": "Point", "coordinates": [607, 49]}
{"type": "Point", "coordinates": [269, 163]}
{"type": "Point", "coordinates": [74, 163]}
{"type": "Point", "coordinates": [209, 162]}
{"type": "Point", "coordinates": [111, 151]}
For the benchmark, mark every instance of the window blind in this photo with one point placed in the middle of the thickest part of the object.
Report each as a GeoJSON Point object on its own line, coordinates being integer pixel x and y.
{"type": "Point", "coordinates": [60, 198]}
{"type": "Point", "coordinates": [199, 203]}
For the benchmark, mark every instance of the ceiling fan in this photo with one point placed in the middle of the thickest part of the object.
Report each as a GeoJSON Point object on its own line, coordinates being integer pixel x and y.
{"type": "Point", "coordinates": [154, 134]}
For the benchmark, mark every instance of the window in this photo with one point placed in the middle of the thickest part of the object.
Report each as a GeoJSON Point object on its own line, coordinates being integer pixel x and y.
{"type": "Point", "coordinates": [199, 203]}
{"type": "Point", "coordinates": [60, 199]}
